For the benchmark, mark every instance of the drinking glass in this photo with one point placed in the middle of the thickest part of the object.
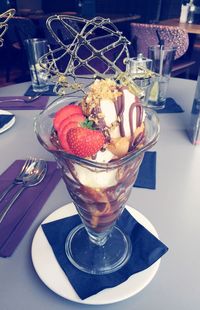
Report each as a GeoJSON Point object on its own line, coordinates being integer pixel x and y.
{"type": "Point", "coordinates": [136, 67]}
{"type": "Point", "coordinates": [99, 192]}
{"type": "Point", "coordinates": [162, 58]}
{"type": "Point", "coordinates": [35, 49]}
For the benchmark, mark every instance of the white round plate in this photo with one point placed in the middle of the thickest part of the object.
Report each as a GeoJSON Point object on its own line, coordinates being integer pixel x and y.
{"type": "Point", "coordinates": [55, 279]}
{"type": "Point", "coordinates": [9, 124]}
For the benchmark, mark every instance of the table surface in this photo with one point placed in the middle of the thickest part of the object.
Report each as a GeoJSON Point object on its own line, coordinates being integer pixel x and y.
{"type": "Point", "coordinates": [190, 28]}
{"type": "Point", "coordinates": [173, 208]}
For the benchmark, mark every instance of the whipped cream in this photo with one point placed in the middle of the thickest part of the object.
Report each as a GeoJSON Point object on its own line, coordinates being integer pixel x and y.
{"type": "Point", "coordinates": [95, 178]}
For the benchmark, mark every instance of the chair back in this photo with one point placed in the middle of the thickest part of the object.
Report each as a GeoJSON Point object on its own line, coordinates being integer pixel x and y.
{"type": "Point", "coordinates": [20, 29]}
{"type": "Point", "coordinates": [144, 35]}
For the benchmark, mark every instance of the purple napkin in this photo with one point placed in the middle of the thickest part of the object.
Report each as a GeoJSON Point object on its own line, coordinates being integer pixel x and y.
{"type": "Point", "coordinates": [25, 209]}
{"type": "Point", "coordinates": [50, 92]}
{"type": "Point", "coordinates": [38, 104]}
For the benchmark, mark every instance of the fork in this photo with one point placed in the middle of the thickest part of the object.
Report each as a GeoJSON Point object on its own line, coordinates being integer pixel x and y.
{"type": "Point", "coordinates": [33, 178]}
{"type": "Point", "coordinates": [19, 178]}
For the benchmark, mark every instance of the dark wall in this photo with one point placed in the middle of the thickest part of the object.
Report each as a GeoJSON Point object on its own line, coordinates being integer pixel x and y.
{"type": "Point", "coordinates": [50, 6]}
{"type": "Point", "coordinates": [6, 5]}
{"type": "Point", "coordinates": [149, 10]}
{"type": "Point", "coordinates": [114, 6]}
{"type": "Point", "coordinates": [155, 10]}
{"type": "Point", "coordinates": [170, 9]}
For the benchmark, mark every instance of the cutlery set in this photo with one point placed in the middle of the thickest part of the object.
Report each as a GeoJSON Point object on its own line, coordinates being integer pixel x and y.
{"type": "Point", "coordinates": [27, 100]}
{"type": "Point", "coordinates": [31, 174]}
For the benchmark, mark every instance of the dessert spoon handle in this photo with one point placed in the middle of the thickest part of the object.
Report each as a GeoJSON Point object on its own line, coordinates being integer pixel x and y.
{"type": "Point", "coordinates": [8, 207]}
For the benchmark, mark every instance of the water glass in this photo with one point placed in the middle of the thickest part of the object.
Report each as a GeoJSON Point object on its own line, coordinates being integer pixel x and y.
{"type": "Point", "coordinates": [35, 49]}
{"type": "Point", "coordinates": [162, 58]}
{"type": "Point", "coordinates": [136, 68]}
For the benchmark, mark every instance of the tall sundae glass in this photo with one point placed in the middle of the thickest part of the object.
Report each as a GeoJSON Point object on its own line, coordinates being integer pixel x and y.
{"type": "Point", "coordinates": [99, 191]}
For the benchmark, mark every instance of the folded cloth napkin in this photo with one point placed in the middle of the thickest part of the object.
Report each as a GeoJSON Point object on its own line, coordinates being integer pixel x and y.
{"type": "Point", "coordinates": [171, 106]}
{"type": "Point", "coordinates": [147, 173]}
{"type": "Point", "coordinates": [147, 249]}
{"type": "Point", "coordinates": [49, 92]}
{"type": "Point", "coordinates": [25, 209]}
{"type": "Point", "coordinates": [38, 104]}
{"type": "Point", "coordinates": [5, 119]}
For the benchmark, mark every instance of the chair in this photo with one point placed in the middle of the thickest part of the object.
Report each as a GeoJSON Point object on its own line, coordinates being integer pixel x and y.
{"type": "Point", "coordinates": [144, 35]}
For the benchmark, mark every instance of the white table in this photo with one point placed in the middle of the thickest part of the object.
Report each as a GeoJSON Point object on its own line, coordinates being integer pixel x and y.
{"type": "Point", "coordinates": [173, 208]}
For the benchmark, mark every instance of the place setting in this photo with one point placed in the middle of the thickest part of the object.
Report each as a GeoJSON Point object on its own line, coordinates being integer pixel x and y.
{"type": "Point", "coordinates": [60, 276]}
{"type": "Point", "coordinates": [24, 188]}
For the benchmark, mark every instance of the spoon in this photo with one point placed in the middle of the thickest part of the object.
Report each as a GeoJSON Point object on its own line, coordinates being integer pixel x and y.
{"type": "Point", "coordinates": [33, 178]}
{"type": "Point", "coordinates": [28, 99]}
{"type": "Point", "coordinates": [25, 171]}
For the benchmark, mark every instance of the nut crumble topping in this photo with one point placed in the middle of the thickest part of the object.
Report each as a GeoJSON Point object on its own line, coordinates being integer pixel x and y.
{"type": "Point", "coordinates": [101, 89]}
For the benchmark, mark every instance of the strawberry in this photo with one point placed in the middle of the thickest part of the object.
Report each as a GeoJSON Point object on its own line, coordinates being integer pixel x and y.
{"type": "Point", "coordinates": [72, 118]}
{"type": "Point", "coordinates": [85, 142]}
{"type": "Point", "coordinates": [65, 112]}
{"type": "Point", "coordinates": [62, 135]}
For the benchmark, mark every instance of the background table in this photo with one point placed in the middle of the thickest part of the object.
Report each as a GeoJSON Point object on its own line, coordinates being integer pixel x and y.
{"type": "Point", "coordinates": [173, 208]}
{"type": "Point", "coordinates": [193, 31]}
{"type": "Point", "coordinates": [190, 28]}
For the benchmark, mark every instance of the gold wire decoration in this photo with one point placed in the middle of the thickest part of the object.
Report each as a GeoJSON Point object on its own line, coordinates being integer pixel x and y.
{"type": "Point", "coordinates": [97, 50]}
{"type": "Point", "coordinates": [4, 18]}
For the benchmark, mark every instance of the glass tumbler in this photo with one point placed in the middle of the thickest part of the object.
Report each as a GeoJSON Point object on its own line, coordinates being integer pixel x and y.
{"type": "Point", "coordinates": [36, 48]}
{"type": "Point", "coordinates": [162, 58]}
{"type": "Point", "coordinates": [136, 67]}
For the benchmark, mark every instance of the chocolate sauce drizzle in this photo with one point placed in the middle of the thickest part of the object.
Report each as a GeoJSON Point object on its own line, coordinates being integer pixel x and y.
{"type": "Point", "coordinates": [120, 107]}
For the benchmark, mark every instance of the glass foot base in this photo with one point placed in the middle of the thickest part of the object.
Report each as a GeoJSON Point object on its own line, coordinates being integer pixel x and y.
{"type": "Point", "coordinates": [40, 88]}
{"type": "Point", "coordinates": [156, 105]}
{"type": "Point", "coordinates": [97, 259]}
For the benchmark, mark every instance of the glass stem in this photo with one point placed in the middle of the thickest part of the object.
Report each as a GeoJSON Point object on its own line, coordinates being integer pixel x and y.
{"type": "Point", "coordinates": [98, 241]}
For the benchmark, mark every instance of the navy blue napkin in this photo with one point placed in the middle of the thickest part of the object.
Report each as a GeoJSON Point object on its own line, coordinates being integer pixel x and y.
{"type": "Point", "coordinates": [147, 249]}
{"type": "Point", "coordinates": [147, 173]}
{"type": "Point", "coordinates": [49, 92]}
{"type": "Point", "coordinates": [4, 119]}
{"type": "Point", "coordinates": [171, 106]}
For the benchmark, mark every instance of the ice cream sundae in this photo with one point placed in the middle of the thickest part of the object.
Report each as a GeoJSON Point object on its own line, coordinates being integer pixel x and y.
{"type": "Point", "coordinates": [98, 142]}
{"type": "Point", "coordinates": [104, 126]}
